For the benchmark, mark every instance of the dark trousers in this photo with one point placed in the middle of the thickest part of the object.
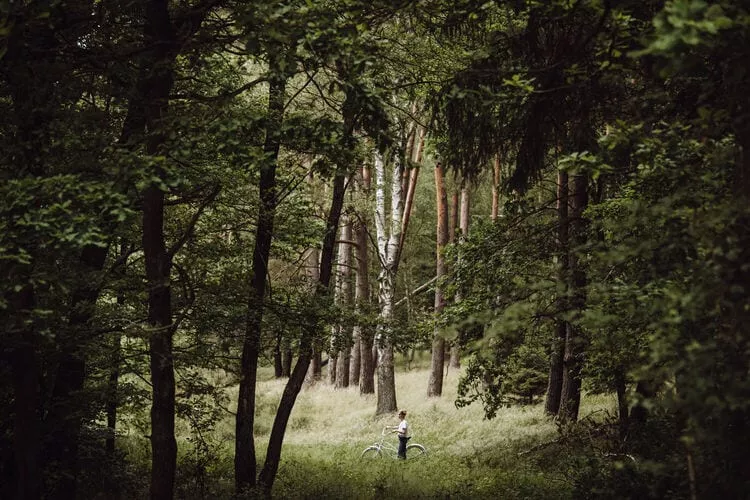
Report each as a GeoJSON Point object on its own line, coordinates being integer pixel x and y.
{"type": "Point", "coordinates": [402, 446]}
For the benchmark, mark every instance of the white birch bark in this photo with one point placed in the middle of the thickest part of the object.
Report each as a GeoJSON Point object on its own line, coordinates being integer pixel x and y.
{"type": "Point", "coordinates": [388, 250]}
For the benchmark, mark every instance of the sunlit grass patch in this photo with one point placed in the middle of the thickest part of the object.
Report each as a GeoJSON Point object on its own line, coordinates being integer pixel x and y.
{"type": "Point", "coordinates": [469, 456]}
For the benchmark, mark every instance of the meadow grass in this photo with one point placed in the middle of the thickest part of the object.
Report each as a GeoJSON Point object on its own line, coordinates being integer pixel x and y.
{"type": "Point", "coordinates": [468, 455]}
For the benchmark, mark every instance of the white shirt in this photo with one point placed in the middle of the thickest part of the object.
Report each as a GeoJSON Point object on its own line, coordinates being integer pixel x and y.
{"type": "Point", "coordinates": [403, 428]}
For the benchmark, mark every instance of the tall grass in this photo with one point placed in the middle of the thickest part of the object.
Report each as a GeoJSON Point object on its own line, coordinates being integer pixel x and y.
{"type": "Point", "coordinates": [469, 456]}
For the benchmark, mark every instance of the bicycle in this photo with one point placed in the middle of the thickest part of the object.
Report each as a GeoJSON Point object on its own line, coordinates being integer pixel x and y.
{"type": "Point", "coordinates": [379, 448]}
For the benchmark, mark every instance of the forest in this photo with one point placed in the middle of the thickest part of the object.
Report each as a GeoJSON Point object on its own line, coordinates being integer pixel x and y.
{"type": "Point", "coordinates": [236, 238]}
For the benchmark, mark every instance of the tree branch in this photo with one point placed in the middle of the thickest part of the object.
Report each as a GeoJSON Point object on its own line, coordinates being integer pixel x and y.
{"type": "Point", "coordinates": [193, 221]}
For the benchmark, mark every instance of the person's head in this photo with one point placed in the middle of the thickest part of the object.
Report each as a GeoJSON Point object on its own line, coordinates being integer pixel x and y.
{"type": "Point", "coordinates": [402, 414]}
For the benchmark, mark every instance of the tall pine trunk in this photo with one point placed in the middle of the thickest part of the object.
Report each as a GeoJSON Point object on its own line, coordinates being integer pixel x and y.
{"type": "Point", "coordinates": [464, 223]}
{"type": "Point", "coordinates": [345, 339]}
{"type": "Point", "coordinates": [411, 185]}
{"type": "Point", "coordinates": [570, 397]}
{"type": "Point", "coordinates": [367, 375]}
{"type": "Point", "coordinates": [555, 378]}
{"type": "Point", "coordinates": [435, 385]}
{"type": "Point", "coordinates": [495, 188]}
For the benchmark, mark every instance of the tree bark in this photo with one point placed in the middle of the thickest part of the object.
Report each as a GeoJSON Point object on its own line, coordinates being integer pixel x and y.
{"type": "Point", "coordinates": [464, 223]}
{"type": "Point", "coordinates": [495, 188]}
{"type": "Point", "coordinates": [294, 384]}
{"type": "Point", "coordinates": [278, 369]}
{"type": "Point", "coordinates": [355, 358]}
{"type": "Point", "coordinates": [31, 50]}
{"type": "Point", "coordinates": [367, 375]}
{"type": "Point", "coordinates": [155, 87]}
{"type": "Point", "coordinates": [345, 262]}
{"type": "Point", "coordinates": [555, 378]}
{"type": "Point", "coordinates": [570, 397]}
{"type": "Point", "coordinates": [622, 402]}
{"type": "Point", "coordinates": [286, 360]}
{"type": "Point", "coordinates": [158, 267]}
{"type": "Point", "coordinates": [244, 451]}
{"type": "Point", "coordinates": [113, 380]}
{"type": "Point", "coordinates": [388, 251]}
{"type": "Point", "coordinates": [26, 399]}
{"type": "Point", "coordinates": [333, 359]}
{"type": "Point", "coordinates": [64, 418]}
{"type": "Point", "coordinates": [312, 271]}
{"type": "Point", "coordinates": [411, 186]}
{"type": "Point", "coordinates": [112, 396]}
{"type": "Point", "coordinates": [453, 226]}
{"type": "Point", "coordinates": [435, 385]}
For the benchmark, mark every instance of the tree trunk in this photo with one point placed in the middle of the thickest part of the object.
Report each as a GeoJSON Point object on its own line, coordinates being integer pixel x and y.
{"type": "Point", "coordinates": [555, 378]}
{"type": "Point", "coordinates": [345, 263]}
{"type": "Point", "coordinates": [64, 418]}
{"type": "Point", "coordinates": [388, 250]}
{"type": "Point", "coordinates": [465, 222]}
{"type": "Point", "coordinates": [156, 87]}
{"type": "Point", "coordinates": [294, 384]}
{"type": "Point", "coordinates": [355, 358]}
{"type": "Point", "coordinates": [112, 396]}
{"type": "Point", "coordinates": [286, 360]}
{"type": "Point", "coordinates": [622, 402]}
{"type": "Point", "coordinates": [278, 369]}
{"type": "Point", "coordinates": [355, 365]}
{"type": "Point", "coordinates": [332, 358]}
{"type": "Point", "coordinates": [453, 226]}
{"type": "Point", "coordinates": [26, 399]}
{"type": "Point", "coordinates": [30, 51]}
{"type": "Point", "coordinates": [411, 186]}
{"type": "Point", "coordinates": [570, 397]}
{"type": "Point", "coordinates": [113, 380]}
{"type": "Point", "coordinates": [312, 271]}
{"type": "Point", "coordinates": [362, 297]}
{"type": "Point", "coordinates": [158, 267]}
{"type": "Point", "coordinates": [435, 386]}
{"type": "Point", "coordinates": [645, 389]}
{"type": "Point", "coordinates": [149, 107]}
{"type": "Point", "coordinates": [496, 188]}
{"type": "Point", "coordinates": [244, 451]}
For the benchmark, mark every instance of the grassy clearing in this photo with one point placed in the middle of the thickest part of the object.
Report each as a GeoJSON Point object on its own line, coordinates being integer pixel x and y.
{"type": "Point", "coordinates": [469, 456]}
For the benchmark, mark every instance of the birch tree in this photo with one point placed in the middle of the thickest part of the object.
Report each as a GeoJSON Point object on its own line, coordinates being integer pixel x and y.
{"type": "Point", "coordinates": [388, 237]}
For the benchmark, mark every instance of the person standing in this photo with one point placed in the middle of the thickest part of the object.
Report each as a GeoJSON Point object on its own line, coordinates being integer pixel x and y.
{"type": "Point", "coordinates": [403, 434]}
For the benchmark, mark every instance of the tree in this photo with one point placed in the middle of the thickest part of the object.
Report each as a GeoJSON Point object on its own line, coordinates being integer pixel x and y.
{"type": "Point", "coordinates": [557, 352]}
{"type": "Point", "coordinates": [345, 342]}
{"type": "Point", "coordinates": [435, 384]}
{"type": "Point", "coordinates": [362, 294]}
{"type": "Point", "coordinates": [387, 238]}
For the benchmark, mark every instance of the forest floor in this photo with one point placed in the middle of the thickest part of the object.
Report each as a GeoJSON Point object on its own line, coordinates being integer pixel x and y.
{"type": "Point", "coordinates": [468, 455]}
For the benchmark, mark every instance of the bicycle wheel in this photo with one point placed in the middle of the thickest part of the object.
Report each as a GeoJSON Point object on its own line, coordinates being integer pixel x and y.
{"type": "Point", "coordinates": [371, 453]}
{"type": "Point", "coordinates": [415, 451]}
